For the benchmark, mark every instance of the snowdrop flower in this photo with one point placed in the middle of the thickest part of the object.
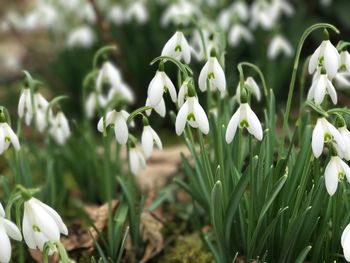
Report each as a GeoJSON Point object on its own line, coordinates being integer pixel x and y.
{"type": "Point", "coordinates": [82, 36]}
{"type": "Point", "coordinates": [7, 135]}
{"type": "Point", "coordinates": [137, 11]}
{"type": "Point", "coordinates": [261, 14]}
{"type": "Point", "coordinates": [183, 93]}
{"type": "Point", "coordinates": [345, 242]}
{"type": "Point", "coordinates": [345, 60]}
{"type": "Point", "coordinates": [342, 80]}
{"type": "Point", "coordinates": [122, 90]}
{"type": "Point", "coordinates": [192, 112]}
{"type": "Point", "coordinates": [41, 224]}
{"type": "Point", "coordinates": [279, 7]}
{"type": "Point", "coordinates": [159, 108]}
{"type": "Point", "coordinates": [325, 132]}
{"type": "Point", "coordinates": [178, 47]}
{"type": "Point", "coordinates": [238, 33]}
{"type": "Point", "coordinates": [252, 87]}
{"type": "Point", "coordinates": [279, 44]}
{"type": "Point", "coordinates": [237, 11]}
{"type": "Point", "coordinates": [118, 120]}
{"type": "Point", "coordinates": [325, 55]}
{"type": "Point", "coordinates": [25, 108]}
{"type": "Point", "coordinates": [137, 160]}
{"type": "Point", "coordinates": [149, 138]}
{"type": "Point", "coordinates": [244, 117]}
{"type": "Point", "coordinates": [108, 74]}
{"type": "Point", "coordinates": [158, 85]}
{"type": "Point", "coordinates": [41, 105]}
{"type": "Point", "coordinates": [59, 128]}
{"type": "Point", "coordinates": [180, 12]}
{"type": "Point", "coordinates": [7, 229]}
{"type": "Point", "coordinates": [116, 15]}
{"type": "Point", "coordinates": [321, 86]}
{"type": "Point", "coordinates": [213, 72]}
{"type": "Point", "coordinates": [335, 170]}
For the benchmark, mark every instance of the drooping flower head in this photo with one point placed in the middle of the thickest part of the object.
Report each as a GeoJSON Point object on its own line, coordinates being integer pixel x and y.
{"type": "Point", "coordinates": [279, 45]}
{"type": "Point", "coordinates": [326, 56]}
{"type": "Point", "coordinates": [118, 120]}
{"type": "Point", "coordinates": [213, 73]}
{"type": "Point", "coordinates": [7, 135]}
{"type": "Point", "coordinates": [59, 128]}
{"type": "Point", "coordinates": [336, 170]}
{"type": "Point", "coordinates": [178, 47]}
{"type": "Point", "coordinates": [191, 112]}
{"type": "Point", "coordinates": [136, 159]}
{"type": "Point", "coordinates": [159, 85]}
{"type": "Point", "coordinates": [251, 86]}
{"type": "Point", "coordinates": [345, 242]}
{"type": "Point", "coordinates": [321, 85]}
{"type": "Point", "coordinates": [149, 138]}
{"type": "Point", "coordinates": [41, 224]}
{"type": "Point", "coordinates": [25, 108]}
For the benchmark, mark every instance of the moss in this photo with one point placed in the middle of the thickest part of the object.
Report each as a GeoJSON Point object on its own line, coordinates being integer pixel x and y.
{"type": "Point", "coordinates": [187, 249]}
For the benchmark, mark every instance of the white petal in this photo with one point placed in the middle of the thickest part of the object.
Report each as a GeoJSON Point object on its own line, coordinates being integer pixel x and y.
{"type": "Point", "coordinates": [254, 87]}
{"type": "Point", "coordinates": [13, 137]}
{"type": "Point", "coordinates": [254, 124]}
{"type": "Point", "coordinates": [203, 76]}
{"type": "Point", "coordinates": [160, 108]}
{"type": "Point", "coordinates": [2, 211]}
{"type": "Point", "coordinates": [219, 79]}
{"type": "Point", "coordinates": [201, 117]}
{"type": "Point", "coordinates": [157, 140]}
{"type": "Point", "coordinates": [186, 50]}
{"type": "Point", "coordinates": [337, 136]}
{"type": "Point", "coordinates": [11, 229]}
{"type": "Point", "coordinates": [317, 139]}
{"type": "Point", "coordinates": [345, 168]}
{"type": "Point", "coordinates": [345, 235]}
{"type": "Point", "coordinates": [171, 88]}
{"type": "Point", "coordinates": [121, 130]}
{"type": "Point", "coordinates": [331, 59]}
{"type": "Point", "coordinates": [134, 161]}
{"type": "Point", "coordinates": [320, 89]}
{"type": "Point", "coordinates": [314, 60]}
{"type": "Point", "coordinates": [232, 126]}
{"type": "Point", "coordinates": [169, 47]}
{"type": "Point", "coordinates": [155, 89]}
{"type": "Point", "coordinates": [331, 91]}
{"type": "Point", "coordinates": [331, 177]}
{"type": "Point", "coordinates": [5, 245]}
{"type": "Point", "coordinates": [27, 231]}
{"type": "Point", "coordinates": [21, 105]}
{"type": "Point", "coordinates": [147, 141]}
{"type": "Point", "coordinates": [55, 216]}
{"type": "Point", "coordinates": [181, 118]}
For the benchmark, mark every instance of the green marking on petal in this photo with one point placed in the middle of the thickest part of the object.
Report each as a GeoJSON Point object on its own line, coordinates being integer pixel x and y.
{"type": "Point", "coordinates": [178, 48]}
{"type": "Point", "coordinates": [165, 88]}
{"type": "Point", "coordinates": [327, 137]}
{"type": "Point", "coordinates": [191, 117]}
{"type": "Point", "coordinates": [211, 75]}
{"type": "Point", "coordinates": [36, 228]}
{"type": "Point", "coordinates": [341, 176]}
{"type": "Point", "coordinates": [7, 139]}
{"type": "Point", "coordinates": [244, 123]}
{"type": "Point", "coordinates": [320, 61]}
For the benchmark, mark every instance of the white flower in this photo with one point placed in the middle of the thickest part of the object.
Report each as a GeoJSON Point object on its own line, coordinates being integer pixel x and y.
{"type": "Point", "coordinates": [41, 105]}
{"type": "Point", "coordinates": [345, 242]}
{"type": "Point", "coordinates": [342, 80]}
{"type": "Point", "coordinates": [159, 108]}
{"type": "Point", "coordinates": [192, 112]}
{"type": "Point", "coordinates": [59, 128]}
{"type": "Point", "coordinates": [279, 44]}
{"type": "Point", "coordinates": [25, 108]}
{"type": "Point", "coordinates": [7, 229]}
{"type": "Point", "coordinates": [238, 33]}
{"type": "Point", "coordinates": [238, 10]}
{"type": "Point", "coordinates": [345, 134]}
{"type": "Point", "coordinates": [321, 86]}
{"type": "Point", "coordinates": [122, 90]}
{"type": "Point", "coordinates": [82, 36]}
{"type": "Point", "coordinates": [137, 160]}
{"type": "Point", "coordinates": [325, 55]}
{"type": "Point", "coordinates": [262, 14]}
{"type": "Point", "coordinates": [345, 60]}
{"type": "Point", "coordinates": [41, 224]}
{"type": "Point", "coordinates": [148, 139]}
{"type": "Point", "coordinates": [183, 94]}
{"type": "Point", "coordinates": [180, 12]}
{"type": "Point", "coordinates": [158, 85]}
{"type": "Point", "coordinates": [213, 72]}
{"type": "Point", "coordinates": [137, 11]}
{"type": "Point", "coordinates": [325, 132]}
{"type": "Point", "coordinates": [335, 170]}
{"type": "Point", "coordinates": [116, 14]}
{"type": "Point", "coordinates": [7, 136]}
{"type": "Point", "coordinates": [244, 117]}
{"type": "Point", "coordinates": [118, 120]}
{"type": "Point", "coordinates": [177, 47]}
{"type": "Point", "coordinates": [252, 87]}
{"type": "Point", "coordinates": [108, 74]}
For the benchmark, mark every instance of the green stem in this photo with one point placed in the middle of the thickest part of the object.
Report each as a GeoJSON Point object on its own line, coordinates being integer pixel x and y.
{"type": "Point", "coordinates": [295, 69]}
{"type": "Point", "coordinates": [101, 52]}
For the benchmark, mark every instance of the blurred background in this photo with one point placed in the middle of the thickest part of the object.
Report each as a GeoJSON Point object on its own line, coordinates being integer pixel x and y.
{"type": "Point", "coordinates": [55, 40]}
